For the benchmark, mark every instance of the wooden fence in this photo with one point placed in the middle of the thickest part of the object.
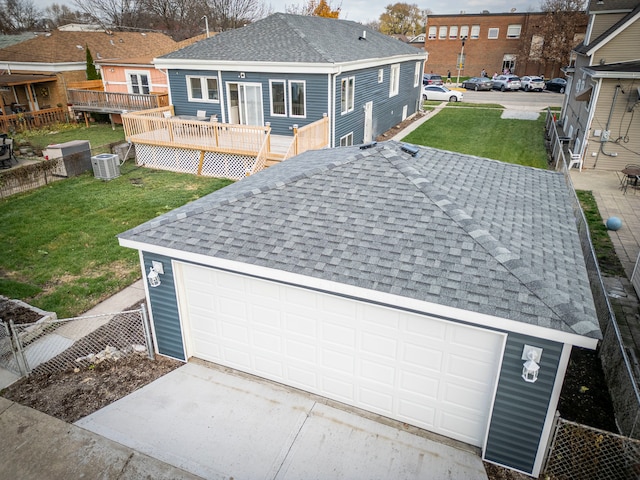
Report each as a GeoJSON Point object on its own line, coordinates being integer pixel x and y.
{"type": "Point", "coordinates": [31, 120]}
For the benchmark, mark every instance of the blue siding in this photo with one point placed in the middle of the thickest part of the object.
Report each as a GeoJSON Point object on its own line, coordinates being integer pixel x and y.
{"type": "Point", "coordinates": [316, 87]}
{"type": "Point", "coordinates": [520, 408]}
{"type": "Point", "coordinates": [387, 111]}
{"type": "Point", "coordinates": [164, 308]}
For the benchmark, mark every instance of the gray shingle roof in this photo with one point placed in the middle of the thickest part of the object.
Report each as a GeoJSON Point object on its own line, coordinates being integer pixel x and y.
{"type": "Point", "coordinates": [442, 227]}
{"type": "Point", "coordinates": [295, 38]}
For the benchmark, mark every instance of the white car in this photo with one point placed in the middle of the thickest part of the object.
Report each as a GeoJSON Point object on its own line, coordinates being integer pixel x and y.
{"type": "Point", "coordinates": [440, 92]}
{"type": "Point", "coordinates": [532, 83]}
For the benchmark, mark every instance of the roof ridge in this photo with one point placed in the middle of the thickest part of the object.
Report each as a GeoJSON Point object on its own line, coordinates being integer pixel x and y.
{"type": "Point", "coordinates": [560, 304]}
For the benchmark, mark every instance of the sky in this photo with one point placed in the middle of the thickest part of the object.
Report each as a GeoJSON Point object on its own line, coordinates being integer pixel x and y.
{"type": "Point", "coordinates": [369, 10]}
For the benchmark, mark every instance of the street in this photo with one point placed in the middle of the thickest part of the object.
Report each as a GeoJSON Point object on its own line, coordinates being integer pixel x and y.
{"type": "Point", "coordinates": [528, 100]}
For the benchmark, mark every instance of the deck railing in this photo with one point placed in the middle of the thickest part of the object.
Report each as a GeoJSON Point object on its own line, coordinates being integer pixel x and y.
{"type": "Point", "coordinates": [113, 102]}
{"type": "Point", "coordinates": [310, 137]}
{"type": "Point", "coordinates": [31, 120]}
{"type": "Point", "coordinates": [160, 127]}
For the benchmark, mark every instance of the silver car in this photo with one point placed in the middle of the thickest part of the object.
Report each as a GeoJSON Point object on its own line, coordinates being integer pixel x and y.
{"type": "Point", "coordinates": [506, 82]}
{"type": "Point", "coordinates": [532, 83]}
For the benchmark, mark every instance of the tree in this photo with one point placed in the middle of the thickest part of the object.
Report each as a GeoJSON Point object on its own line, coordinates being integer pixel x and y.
{"type": "Point", "coordinates": [558, 32]}
{"type": "Point", "coordinates": [403, 19]}
{"type": "Point", "coordinates": [229, 14]}
{"type": "Point", "coordinates": [19, 16]}
{"type": "Point", "coordinates": [57, 15]}
{"type": "Point", "coordinates": [92, 72]}
{"type": "Point", "coordinates": [315, 9]}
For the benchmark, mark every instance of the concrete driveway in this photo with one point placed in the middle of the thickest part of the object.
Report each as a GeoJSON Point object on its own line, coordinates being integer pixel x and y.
{"type": "Point", "coordinates": [220, 424]}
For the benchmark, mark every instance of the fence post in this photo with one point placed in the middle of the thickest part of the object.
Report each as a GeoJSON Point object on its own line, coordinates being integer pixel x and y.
{"type": "Point", "coordinates": [552, 441]}
{"type": "Point", "coordinates": [147, 332]}
{"type": "Point", "coordinates": [21, 359]}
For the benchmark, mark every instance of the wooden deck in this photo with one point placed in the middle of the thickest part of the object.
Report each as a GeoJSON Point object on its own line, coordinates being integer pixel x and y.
{"type": "Point", "coordinates": [110, 102]}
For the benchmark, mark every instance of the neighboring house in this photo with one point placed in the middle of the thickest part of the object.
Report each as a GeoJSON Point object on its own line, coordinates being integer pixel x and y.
{"type": "Point", "coordinates": [493, 43]}
{"type": "Point", "coordinates": [603, 96]}
{"type": "Point", "coordinates": [288, 70]}
{"type": "Point", "coordinates": [37, 71]}
{"type": "Point", "coordinates": [406, 281]}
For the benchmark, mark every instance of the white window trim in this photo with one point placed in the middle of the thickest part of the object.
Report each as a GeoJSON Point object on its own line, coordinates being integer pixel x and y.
{"type": "Point", "coordinates": [433, 33]}
{"type": "Point", "coordinates": [290, 99]}
{"type": "Point", "coordinates": [464, 31]}
{"type": "Point", "coordinates": [204, 87]}
{"type": "Point", "coordinates": [394, 80]}
{"type": "Point", "coordinates": [514, 26]}
{"type": "Point", "coordinates": [139, 73]}
{"type": "Point", "coordinates": [347, 138]}
{"type": "Point", "coordinates": [416, 74]}
{"type": "Point", "coordinates": [497, 33]}
{"type": "Point", "coordinates": [442, 32]}
{"type": "Point", "coordinates": [380, 75]}
{"type": "Point", "coordinates": [475, 32]}
{"type": "Point", "coordinates": [453, 32]}
{"type": "Point", "coordinates": [284, 84]}
{"type": "Point", "coordinates": [350, 94]}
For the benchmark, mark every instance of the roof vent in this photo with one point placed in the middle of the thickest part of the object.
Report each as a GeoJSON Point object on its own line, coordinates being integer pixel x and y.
{"type": "Point", "coordinates": [363, 36]}
{"type": "Point", "coordinates": [111, 42]}
{"type": "Point", "coordinates": [79, 47]}
{"type": "Point", "coordinates": [410, 149]}
{"type": "Point", "coordinates": [368, 145]}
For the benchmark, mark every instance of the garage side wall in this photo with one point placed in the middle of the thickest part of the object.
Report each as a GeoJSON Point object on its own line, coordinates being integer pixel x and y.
{"type": "Point", "coordinates": [164, 309]}
{"type": "Point", "coordinates": [520, 408]}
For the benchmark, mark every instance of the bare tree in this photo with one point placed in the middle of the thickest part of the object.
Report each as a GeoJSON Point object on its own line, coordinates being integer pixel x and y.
{"type": "Point", "coordinates": [114, 14]}
{"type": "Point", "coordinates": [179, 18]}
{"type": "Point", "coordinates": [19, 16]}
{"type": "Point", "coordinates": [230, 14]}
{"type": "Point", "coordinates": [57, 15]}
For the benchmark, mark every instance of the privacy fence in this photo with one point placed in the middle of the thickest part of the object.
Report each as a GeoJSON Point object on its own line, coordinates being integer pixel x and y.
{"type": "Point", "coordinates": [61, 344]}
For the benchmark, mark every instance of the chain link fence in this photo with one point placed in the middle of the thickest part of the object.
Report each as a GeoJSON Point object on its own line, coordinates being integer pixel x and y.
{"type": "Point", "coordinates": [57, 345]}
{"type": "Point", "coordinates": [579, 452]}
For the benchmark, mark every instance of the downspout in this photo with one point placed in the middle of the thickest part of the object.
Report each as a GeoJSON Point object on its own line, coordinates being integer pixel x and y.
{"type": "Point", "coordinates": [332, 107]}
{"type": "Point", "coordinates": [221, 90]}
{"type": "Point", "coordinates": [605, 137]}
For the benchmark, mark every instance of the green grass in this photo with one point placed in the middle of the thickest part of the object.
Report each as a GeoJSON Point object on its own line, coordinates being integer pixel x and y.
{"type": "Point", "coordinates": [602, 244]}
{"type": "Point", "coordinates": [483, 133]}
{"type": "Point", "coordinates": [96, 134]}
{"type": "Point", "coordinates": [59, 246]}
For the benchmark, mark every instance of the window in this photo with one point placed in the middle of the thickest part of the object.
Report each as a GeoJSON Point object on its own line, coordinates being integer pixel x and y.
{"type": "Point", "coordinates": [138, 82]}
{"type": "Point", "coordinates": [475, 31]}
{"type": "Point", "coordinates": [513, 31]}
{"type": "Point", "coordinates": [278, 102]}
{"type": "Point", "coordinates": [204, 89]}
{"type": "Point", "coordinates": [537, 42]}
{"type": "Point", "coordinates": [493, 33]}
{"type": "Point", "coordinates": [394, 83]}
{"type": "Point", "coordinates": [297, 102]}
{"type": "Point", "coordinates": [347, 140]}
{"type": "Point", "coordinates": [442, 35]}
{"type": "Point", "coordinates": [464, 31]}
{"type": "Point", "coordinates": [380, 75]}
{"type": "Point", "coordinates": [416, 74]}
{"type": "Point", "coordinates": [433, 32]}
{"type": "Point", "coordinates": [347, 90]}
{"type": "Point", "coordinates": [453, 33]}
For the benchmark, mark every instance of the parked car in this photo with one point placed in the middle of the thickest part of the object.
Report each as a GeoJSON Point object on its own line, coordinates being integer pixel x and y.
{"type": "Point", "coordinates": [557, 85]}
{"type": "Point", "coordinates": [535, 84]}
{"type": "Point", "coordinates": [506, 82]}
{"type": "Point", "coordinates": [477, 83]}
{"type": "Point", "coordinates": [431, 79]}
{"type": "Point", "coordinates": [440, 92]}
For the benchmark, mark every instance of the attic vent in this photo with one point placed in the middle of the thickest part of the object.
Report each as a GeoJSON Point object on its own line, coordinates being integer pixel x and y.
{"type": "Point", "coordinates": [111, 41]}
{"type": "Point", "coordinates": [121, 41]}
{"type": "Point", "coordinates": [363, 36]}
{"type": "Point", "coordinates": [368, 145]}
{"type": "Point", "coordinates": [410, 149]}
{"type": "Point", "coordinates": [79, 47]}
{"type": "Point", "coordinates": [143, 34]}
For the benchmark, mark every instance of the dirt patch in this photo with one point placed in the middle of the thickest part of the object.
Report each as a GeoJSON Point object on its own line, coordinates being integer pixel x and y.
{"type": "Point", "coordinates": [398, 128]}
{"type": "Point", "coordinates": [10, 310]}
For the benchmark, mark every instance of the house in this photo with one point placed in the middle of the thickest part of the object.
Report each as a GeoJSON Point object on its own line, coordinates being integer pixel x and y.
{"type": "Point", "coordinates": [494, 42]}
{"type": "Point", "coordinates": [290, 70]}
{"type": "Point", "coordinates": [38, 70]}
{"type": "Point", "coordinates": [602, 93]}
{"type": "Point", "coordinates": [407, 281]}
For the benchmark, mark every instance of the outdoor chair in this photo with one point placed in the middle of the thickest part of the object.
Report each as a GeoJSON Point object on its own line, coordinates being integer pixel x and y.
{"type": "Point", "coordinates": [6, 153]}
{"type": "Point", "coordinates": [575, 160]}
{"type": "Point", "coordinates": [201, 114]}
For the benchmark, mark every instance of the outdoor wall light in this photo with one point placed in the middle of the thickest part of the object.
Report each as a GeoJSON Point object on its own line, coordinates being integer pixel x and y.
{"type": "Point", "coordinates": [153, 278]}
{"type": "Point", "coordinates": [530, 369]}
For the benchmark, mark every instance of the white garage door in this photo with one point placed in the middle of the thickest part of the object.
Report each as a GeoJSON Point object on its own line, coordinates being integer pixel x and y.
{"type": "Point", "coordinates": [430, 373]}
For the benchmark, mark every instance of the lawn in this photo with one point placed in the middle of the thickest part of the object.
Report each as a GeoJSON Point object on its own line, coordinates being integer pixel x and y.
{"type": "Point", "coordinates": [98, 134]}
{"type": "Point", "coordinates": [60, 251]}
{"type": "Point", "coordinates": [481, 132]}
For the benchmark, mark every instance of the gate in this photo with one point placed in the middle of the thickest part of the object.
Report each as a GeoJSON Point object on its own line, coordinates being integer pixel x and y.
{"type": "Point", "coordinates": [57, 345]}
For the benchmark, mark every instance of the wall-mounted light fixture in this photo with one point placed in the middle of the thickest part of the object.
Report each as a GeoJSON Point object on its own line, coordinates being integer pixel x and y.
{"type": "Point", "coordinates": [530, 369]}
{"type": "Point", "coordinates": [155, 271]}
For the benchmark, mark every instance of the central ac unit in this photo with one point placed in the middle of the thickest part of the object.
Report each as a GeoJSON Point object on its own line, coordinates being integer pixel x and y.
{"type": "Point", "coordinates": [106, 166]}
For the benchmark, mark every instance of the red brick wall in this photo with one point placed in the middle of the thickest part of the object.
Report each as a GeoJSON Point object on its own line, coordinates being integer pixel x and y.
{"type": "Point", "coordinates": [483, 52]}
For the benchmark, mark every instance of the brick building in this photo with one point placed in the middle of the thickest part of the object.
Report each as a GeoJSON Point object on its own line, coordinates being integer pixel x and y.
{"type": "Point", "coordinates": [494, 42]}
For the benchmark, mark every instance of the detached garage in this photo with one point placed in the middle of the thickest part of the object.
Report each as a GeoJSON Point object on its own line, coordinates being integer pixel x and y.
{"type": "Point", "coordinates": [440, 289]}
